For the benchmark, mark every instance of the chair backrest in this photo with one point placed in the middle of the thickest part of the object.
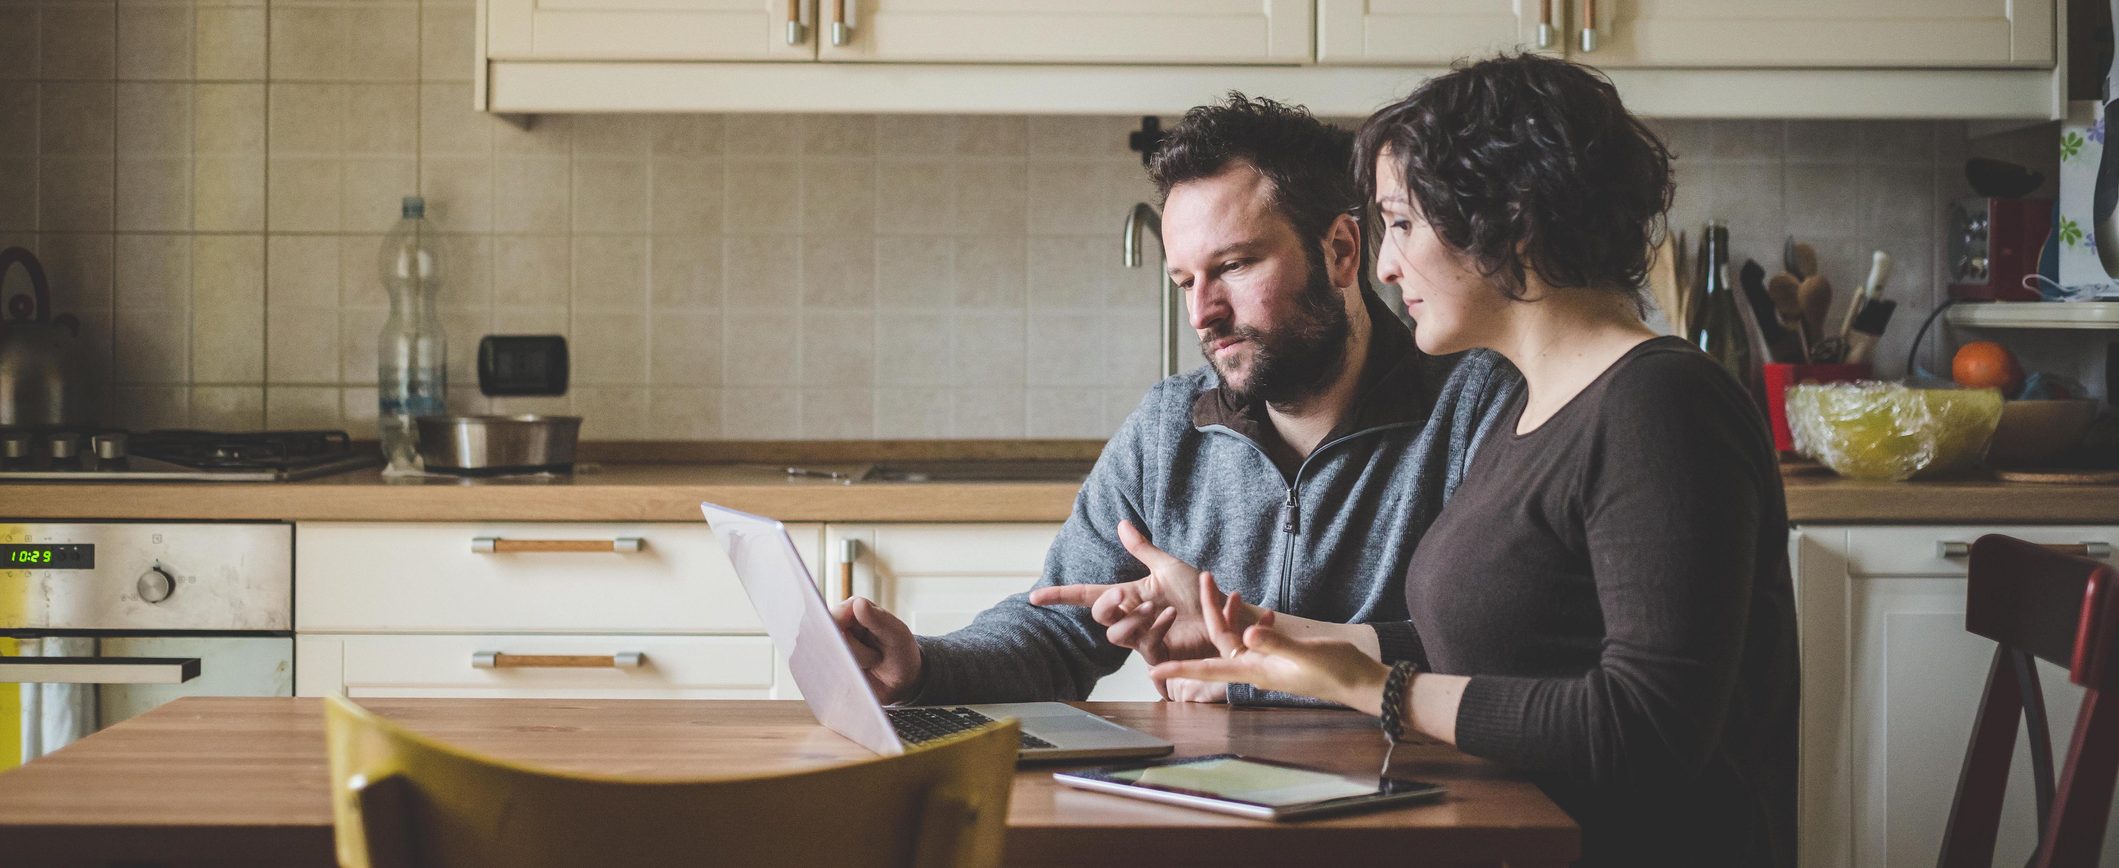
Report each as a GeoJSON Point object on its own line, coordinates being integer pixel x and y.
{"type": "Point", "coordinates": [403, 800]}
{"type": "Point", "coordinates": [2037, 603]}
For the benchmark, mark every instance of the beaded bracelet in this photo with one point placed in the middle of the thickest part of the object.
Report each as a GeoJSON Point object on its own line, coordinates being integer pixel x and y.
{"type": "Point", "coordinates": [1392, 717]}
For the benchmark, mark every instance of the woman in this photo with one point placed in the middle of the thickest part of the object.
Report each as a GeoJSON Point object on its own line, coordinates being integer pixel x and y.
{"type": "Point", "coordinates": [1605, 601]}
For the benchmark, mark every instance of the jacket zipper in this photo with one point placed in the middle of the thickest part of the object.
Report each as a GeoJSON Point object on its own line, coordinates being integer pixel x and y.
{"type": "Point", "coordinates": [1291, 508]}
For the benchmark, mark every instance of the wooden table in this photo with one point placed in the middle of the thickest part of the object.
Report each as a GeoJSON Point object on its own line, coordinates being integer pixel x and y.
{"type": "Point", "coordinates": [235, 781]}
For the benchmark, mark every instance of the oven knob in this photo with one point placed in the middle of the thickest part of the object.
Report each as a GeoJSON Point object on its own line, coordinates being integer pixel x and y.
{"type": "Point", "coordinates": [108, 447]}
{"type": "Point", "coordinates": [63, 447]}
{"type": "Point", "coordinates": [155, 585]}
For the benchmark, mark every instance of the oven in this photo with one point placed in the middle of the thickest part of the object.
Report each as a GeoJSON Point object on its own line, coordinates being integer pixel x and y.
{"type": "Point", "coordinates": [101, 621]}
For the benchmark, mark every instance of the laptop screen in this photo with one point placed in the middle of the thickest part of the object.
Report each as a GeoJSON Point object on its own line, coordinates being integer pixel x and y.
{"type": "Point", "coordinates": [787, 600]}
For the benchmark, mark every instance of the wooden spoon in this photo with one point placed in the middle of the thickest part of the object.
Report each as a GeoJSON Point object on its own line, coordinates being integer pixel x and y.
{"type": "Point", "coordinates": [1784, 289]}
{"type": "Point", "coordinates": [1814, 296]}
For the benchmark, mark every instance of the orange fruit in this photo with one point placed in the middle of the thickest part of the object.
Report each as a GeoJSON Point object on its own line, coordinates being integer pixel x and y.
{"type": "Point", "coordinates": [1987, 365]}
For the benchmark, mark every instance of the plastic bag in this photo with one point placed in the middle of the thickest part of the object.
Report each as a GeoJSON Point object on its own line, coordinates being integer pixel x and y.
{"type": "Point", "coordinates": [1887, 431]}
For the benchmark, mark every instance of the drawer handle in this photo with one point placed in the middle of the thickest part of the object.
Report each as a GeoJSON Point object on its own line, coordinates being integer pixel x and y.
{"type": "Point", "coordinates": [487, 545]}
{"type": "Point", "coordinates": [1955, 549]}
{"type": "Point", "coordinates": [499, 660]}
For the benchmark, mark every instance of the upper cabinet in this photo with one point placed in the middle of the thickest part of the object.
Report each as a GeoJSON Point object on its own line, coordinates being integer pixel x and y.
{"type": "Point", "coordinates": [900, 31]}
{"type": "Point", "coordinates": [1433, 31]}
{"type": "Point", "coordinates": [1813, 33]}
{"type": "Point", "coordinates": [1693, 33]}
{"type": "Point", "coordinates": [649, 30]}
{"type": "Point", "coordinates": [1960, 59]}
{"type": "Point", "coordinates": [1066, 31]}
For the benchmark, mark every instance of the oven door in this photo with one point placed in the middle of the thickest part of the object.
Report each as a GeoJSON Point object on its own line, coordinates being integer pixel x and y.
{"type": "Point", "coordinates": [71, 686]}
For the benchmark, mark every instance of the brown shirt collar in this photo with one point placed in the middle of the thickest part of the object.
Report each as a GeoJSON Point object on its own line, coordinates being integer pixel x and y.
{"type": "Point", "coordinates": [1391, 391]}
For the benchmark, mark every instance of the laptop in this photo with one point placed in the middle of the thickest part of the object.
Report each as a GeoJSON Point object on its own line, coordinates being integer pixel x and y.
{"type": "Point", "coordinates": [794, 613]}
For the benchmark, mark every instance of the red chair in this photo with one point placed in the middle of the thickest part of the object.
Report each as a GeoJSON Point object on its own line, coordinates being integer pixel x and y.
{"type": "Point", "coordinates": [2039, 602]}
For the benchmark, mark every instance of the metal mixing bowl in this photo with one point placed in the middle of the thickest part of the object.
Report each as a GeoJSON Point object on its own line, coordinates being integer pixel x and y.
{"type": "Point", "coordinates": [496, 445]}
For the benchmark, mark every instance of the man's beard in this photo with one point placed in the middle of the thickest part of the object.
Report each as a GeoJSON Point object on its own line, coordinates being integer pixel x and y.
{"type": "Point", "coordinates": [1294, 362]}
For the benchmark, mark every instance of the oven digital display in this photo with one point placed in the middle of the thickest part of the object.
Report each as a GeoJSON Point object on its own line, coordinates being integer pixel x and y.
{"type": "Point", "coordinates": [63, 556]}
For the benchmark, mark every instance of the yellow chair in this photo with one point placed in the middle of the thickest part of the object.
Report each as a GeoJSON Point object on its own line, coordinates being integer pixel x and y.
{"type": "Point", "coordinates": [402, 799]}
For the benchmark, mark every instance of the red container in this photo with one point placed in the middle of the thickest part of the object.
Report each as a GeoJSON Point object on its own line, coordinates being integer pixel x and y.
{"type": "Point", "coordinates": [1781, 375]}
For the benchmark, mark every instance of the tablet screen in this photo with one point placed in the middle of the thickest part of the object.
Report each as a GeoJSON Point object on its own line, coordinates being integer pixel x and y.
{"type": "Point", "coordinates": [1247, 781]}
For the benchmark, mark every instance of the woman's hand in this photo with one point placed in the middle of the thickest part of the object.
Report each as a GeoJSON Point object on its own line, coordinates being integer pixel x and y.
{"type": "Point", "coordinates": [1256, 653]}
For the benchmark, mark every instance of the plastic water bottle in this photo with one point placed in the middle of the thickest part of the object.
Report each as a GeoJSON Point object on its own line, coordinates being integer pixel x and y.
{"type": "Point", "coordinates": [412, 359]}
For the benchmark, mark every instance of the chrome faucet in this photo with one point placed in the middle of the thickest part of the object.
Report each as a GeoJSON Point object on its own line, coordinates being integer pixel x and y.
{"type": "Point", "coordinates": [1141, 216]}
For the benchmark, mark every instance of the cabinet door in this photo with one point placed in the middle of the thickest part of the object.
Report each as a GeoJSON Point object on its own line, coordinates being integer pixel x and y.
{"type": "Point", "coordinates": [648, 30]}
{"type": "Point", "coordinates": [937, 577]}
{"type": "Point", "coordinates": [1433, 31]}
{"type": "Point", "coordinates": [1917, 680]}
{"type": "Point", "coordinates": [1800, 33]}
{"type": "Point", "coordinates": [1067, 31]}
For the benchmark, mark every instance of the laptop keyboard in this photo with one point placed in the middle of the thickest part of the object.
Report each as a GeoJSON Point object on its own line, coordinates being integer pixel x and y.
{"type": "Point", "coordinates": [925, 724]}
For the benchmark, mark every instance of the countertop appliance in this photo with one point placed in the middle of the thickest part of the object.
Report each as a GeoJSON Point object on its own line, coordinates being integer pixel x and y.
{"type": "Point", "coordinates": [1994, 244]}
{"type": "Point", "coordinates": [102, 621]}
{"type": "Point", "coordinates": [47, 378]}
{"type": "Point", "coordinates": [177, 455]}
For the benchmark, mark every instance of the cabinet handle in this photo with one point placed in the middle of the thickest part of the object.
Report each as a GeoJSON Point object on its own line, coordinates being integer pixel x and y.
{"type": "Point", "coordinates": [841, 27]}
{"type": "Point", "coordinates": [1589, 25]}
{"type": "Point", "coordinates": [488, 545]}
{"type": "Point", "coordinates": [796, 33]}
{"type": "Point", "coordinates": [849, 551]}
{"type": "Point", "coordinates": [500, 660]}
{"type": "Point", "coordinates": [1545, 28]}
{"type": "Point", "coordinates": [1955, 549]}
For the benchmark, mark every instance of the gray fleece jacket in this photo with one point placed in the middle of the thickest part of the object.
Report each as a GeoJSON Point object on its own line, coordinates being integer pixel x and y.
{"type": "Point", "coordinates": [1329, 540]}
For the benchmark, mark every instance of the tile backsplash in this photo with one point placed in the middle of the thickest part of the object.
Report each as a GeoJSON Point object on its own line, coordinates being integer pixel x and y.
{"type": "Point", "coordinates": [207, 183]}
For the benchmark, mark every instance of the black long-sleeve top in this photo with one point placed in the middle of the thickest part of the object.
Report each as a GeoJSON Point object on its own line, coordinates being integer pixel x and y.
{"type": "Point", "coordinates": [1616, 584]}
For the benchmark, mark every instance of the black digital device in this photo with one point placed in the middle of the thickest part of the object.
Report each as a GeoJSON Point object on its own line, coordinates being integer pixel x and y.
{"type": "Point", "coordinates": [47, 556]}
{"type": "Point", "coordinates": [1250, 787]}
{"type": "Point", "coordinates": [511, 365]}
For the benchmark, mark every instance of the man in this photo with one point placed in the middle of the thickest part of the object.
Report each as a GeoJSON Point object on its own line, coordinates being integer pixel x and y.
{"type": "Point", "coordinates": [1300, 465]}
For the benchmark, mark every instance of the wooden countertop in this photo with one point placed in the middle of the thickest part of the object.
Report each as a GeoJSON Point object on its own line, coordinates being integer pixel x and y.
{"type": "Point", "coordinates": [1833, 500]}
{"type": "Point", "coordinates": [668, 483]}
{"type": "Point", "coordinates": [609, 492]}
{"type": "Point", "coordinates": [223, 779]}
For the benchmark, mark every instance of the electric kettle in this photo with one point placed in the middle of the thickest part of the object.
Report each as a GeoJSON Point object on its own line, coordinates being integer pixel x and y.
{"type": "Point", "coordinates": [46, 374]}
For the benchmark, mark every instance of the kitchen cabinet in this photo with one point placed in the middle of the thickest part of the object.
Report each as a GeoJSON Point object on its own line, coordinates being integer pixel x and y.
{"type": "Point", "coordinates": [1813, 33]}
{"type": "Point", "coordinates": [1957, 59]}
{"type": "Point", "coordinates": [405, 609]}
{"type": "Point", "coordinates": [1066, 31]}
{"type": "Point", "coordinates": [1891, 681]}
{"type": "Point", "coordinates": [1433, 31]}
{"type": "Point", "coordinates": [937, 577]}
{"type": "Point", "coordinates": [648, 30]}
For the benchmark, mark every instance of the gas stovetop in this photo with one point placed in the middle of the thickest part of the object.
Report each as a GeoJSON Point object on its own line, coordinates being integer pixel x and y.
{"type": "Point", "coordinates": [94, 456]}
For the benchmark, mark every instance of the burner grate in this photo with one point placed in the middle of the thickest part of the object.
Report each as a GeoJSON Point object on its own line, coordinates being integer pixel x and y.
{"type": "Point", "coordinates": [270, 450]}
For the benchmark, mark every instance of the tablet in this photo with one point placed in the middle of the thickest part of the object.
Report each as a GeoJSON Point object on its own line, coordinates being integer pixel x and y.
{"type": "Point", "coordinates": [1248, 787]}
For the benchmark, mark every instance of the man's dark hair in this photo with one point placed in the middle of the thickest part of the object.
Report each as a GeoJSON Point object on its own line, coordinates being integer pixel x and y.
{"type": "Point", "coordinates": [1306, 162]}
{"type": "Point", "coordinates": [1528, 162]}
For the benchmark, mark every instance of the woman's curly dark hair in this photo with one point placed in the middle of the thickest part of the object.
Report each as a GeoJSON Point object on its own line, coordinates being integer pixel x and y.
{"type": "Point", "coordinates": [1529, 164]}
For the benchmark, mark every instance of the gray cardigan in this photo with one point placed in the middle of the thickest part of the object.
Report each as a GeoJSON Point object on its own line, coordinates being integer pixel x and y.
{"type": "Point", "coordinates": [1331, 541]}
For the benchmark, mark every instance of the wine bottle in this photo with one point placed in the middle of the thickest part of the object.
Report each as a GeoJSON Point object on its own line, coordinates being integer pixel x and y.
{"type": "Point", "coordinates": [1727, 331]}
